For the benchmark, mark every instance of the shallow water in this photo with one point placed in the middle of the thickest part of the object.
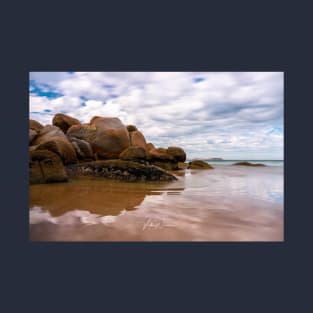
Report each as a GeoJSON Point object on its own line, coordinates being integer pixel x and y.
{"type": "Point", "coordinates": [229, 203]}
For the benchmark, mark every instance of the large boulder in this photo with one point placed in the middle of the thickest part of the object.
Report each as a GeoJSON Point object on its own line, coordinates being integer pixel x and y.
{"type": "Point", "coordinates": [62, 147]}
{"type": "Point", "coordinates": [32, 135]}
{"type": "Point", "coordinates": [35, 125]}
{"type": "Point", "coordinates": [46, 167]}
{"type": "Point", "coordinates": [149, 146]}
{"type": "Point", "coordinates": [131, 128]}
{"type": "Point", "coordinates": [138, 139]}
{"type": "Point", "coordinates": [159, 157]}
{"type": "Point", "coordinates": [198, 164]}
{"type": "Point", "coordinates": [85, 132]}
{"type": "Point", "coordinates": [166, 165]}
{"type": "Point", "coordinates": [182, 165]}
{"type": "Point", "coordinates": [83, 149]}
{"type": "Point", "coordinates": [64, 121]}
{"type": "Point", "coordinates": [133, 153]}
{"type": "Point", "coordinates": [111, 137]}
{"type": "Point", "coordinates": [120, 170]}
{"type": "Point", "coordinates": [48, 132]}
{"type": "Point", "coordinates": [177, 153]}
{"type": "Point", "coordinates": [107, 122]}
{"type": "Point", "coordinates": [159, 154]}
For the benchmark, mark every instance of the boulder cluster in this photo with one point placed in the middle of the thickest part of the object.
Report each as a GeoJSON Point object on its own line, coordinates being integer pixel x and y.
{"type": "Point", "coordinates": [57, 150]}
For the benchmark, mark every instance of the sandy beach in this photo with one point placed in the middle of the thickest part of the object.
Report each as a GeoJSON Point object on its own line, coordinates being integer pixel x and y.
{"type": "Point", "coordinates": [229, 203]}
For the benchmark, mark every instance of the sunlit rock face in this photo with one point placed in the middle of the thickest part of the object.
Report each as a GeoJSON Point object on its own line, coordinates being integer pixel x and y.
{"type": "Point", "coordinates": [46, 167]}
{"type": "Point", "coordinates": [150, 146]}
{"type": "Point", "coordinates": [48, 132]}
{"type": "Point", "coordinates": [84, 131]}
{"type": "Point", "coordinates": [62, 147]}
{"type": "Point", "coordinates": [83, 149]}
{"type": "Point", "coordinates": [177, 153]}
{"type": "Point", "coordinates": [133, 153]}
{"type": "Point", "coordinates": [138, 139]}
{"type": "Point", "coordinates": [111, 139]}
{"type": "Point", "coordinates": [107, 136]}
{"type": "Point", "coordinates": [34, 125]}
{"type": "Point", "coordinates": [159, 157]}
{"type": "Point", "coordinates": [64, 121]}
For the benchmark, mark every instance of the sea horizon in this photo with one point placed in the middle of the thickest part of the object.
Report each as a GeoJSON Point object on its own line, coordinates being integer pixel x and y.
{"type": "Point", "coordinates": [231, 161]}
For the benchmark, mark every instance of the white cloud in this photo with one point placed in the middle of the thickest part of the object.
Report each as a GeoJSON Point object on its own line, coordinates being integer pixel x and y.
{"type": "Point", "coordinates": [222, 114]}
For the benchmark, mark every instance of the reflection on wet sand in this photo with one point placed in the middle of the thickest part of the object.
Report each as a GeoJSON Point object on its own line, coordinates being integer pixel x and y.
{"type": "Point", "coordinates": [227, 204]}
{"type": "Point", "coordinates": [96, 195]}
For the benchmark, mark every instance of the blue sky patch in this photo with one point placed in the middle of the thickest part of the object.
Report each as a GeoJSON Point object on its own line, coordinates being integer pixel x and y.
{"type": "Point", "coordinates": [275, 131]}
{"type": "Point", "coordinates": [108, 86]}
{"type": "Point", "coordinates": [198, 80]}
{"type": "Point", "coordinates": [43, 90]}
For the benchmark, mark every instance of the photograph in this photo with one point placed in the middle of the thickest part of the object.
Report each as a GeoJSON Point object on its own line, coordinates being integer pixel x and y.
{"type": "Point", "coordinates": [156, 156]}
{"type": "Point", "coordinates": [167, 157]}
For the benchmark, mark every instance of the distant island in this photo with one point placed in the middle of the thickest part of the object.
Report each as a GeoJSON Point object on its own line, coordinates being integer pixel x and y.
{"type": "Point", "coordinates": [216, 159]}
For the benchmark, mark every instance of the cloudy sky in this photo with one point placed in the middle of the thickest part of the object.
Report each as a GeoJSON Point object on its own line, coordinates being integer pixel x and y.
{"type": "Point", "coordinates": [233, 115]}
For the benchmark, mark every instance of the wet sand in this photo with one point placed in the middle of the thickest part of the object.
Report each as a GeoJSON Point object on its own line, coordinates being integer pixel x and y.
{"type": "Point", "coordinates": [224, 204]}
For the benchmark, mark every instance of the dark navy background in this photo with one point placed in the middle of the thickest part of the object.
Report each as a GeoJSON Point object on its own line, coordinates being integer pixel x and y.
{"type": "Point", "coordinates": [155, 277]}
